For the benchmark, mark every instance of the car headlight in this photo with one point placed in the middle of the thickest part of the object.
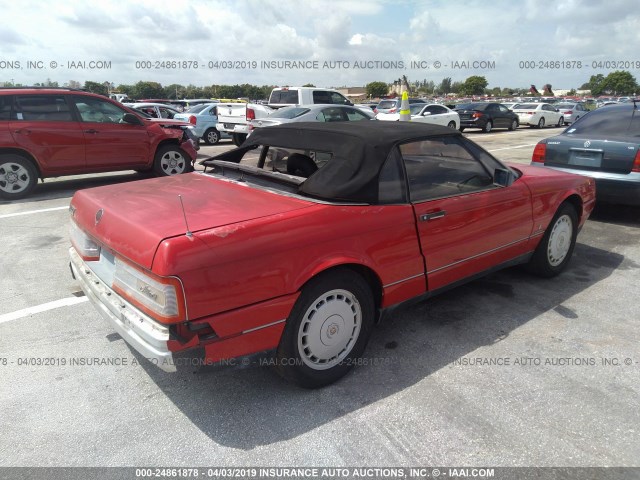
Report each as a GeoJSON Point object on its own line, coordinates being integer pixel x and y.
{"type": "Point", "coordinates": [160, 297]}
{"type": "Point", "coordinates": [86, 247]}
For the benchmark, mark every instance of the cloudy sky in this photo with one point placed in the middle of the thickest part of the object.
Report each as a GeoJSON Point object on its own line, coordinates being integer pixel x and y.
{"type": "Point", "coordinates": [214, 41]}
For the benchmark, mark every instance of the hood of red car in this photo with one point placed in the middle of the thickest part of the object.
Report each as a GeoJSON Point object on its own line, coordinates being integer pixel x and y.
{"type": "Point", "coordinates": [137, 216]}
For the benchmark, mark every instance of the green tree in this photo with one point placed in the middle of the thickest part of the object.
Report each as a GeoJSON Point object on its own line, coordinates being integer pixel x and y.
{"type": "Point", "coordinates": [620, 82]}
{"type": "Point", "coordinates": [474, 85]}
{"type": "Point", "coordinates": [148, 90]}
{"type": "Point", "coordinates": [95, 87]}
{"type": "Point", "coordinates": [376, 89]}
{"type": "Point", "coordinates": [445, 85]}
{"type": "Point", "coordinates": [596, 84]}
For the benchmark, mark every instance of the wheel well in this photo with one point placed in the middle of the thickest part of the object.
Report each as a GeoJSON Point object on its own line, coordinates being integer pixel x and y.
{"type": "Point", "coordinates": [365, 272]}
{"type": "Point", "coordinates": [576, 201]}
{"type": "Point", "coordinates": [169, 141]}
{"type": "Point", "coordinates": [22, 153]}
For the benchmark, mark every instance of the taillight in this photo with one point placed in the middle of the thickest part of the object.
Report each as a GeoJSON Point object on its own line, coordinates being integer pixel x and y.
{"type": "Point", "coordinates": [636, 162]}
{"type": "Point", "coordinates": [476, 115]}
{"type": "Point", "coordinates": [393, 110]}
{"type": "Point", "coordinates": [375, 110]}
{"type": "Point", "coordinates": [86, 247]}
{"type": "Point", "coordinates": [251, 115]}
{"type": "Point", "coordinates": [529, 113]}
{"type": "Point", "coordinates": [568, 112]}
{"type": "Point", "coordinates": [539, 153]}
{"type": "Point", "coordinates": [193, 120]}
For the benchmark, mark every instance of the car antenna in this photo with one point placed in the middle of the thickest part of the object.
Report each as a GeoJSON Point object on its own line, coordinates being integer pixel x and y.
{"type": "Point", "coordinates": [184, 214]}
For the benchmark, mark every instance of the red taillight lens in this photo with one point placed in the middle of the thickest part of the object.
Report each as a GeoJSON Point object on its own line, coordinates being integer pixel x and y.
{"type": "Point", "coordinates": [375, 110]}
{"type": "Point", "coordinates": [193, 120]}
{"type": "Point", "coordinates": [568, 112]}
{"type": "Point", "coordinates": [251, 115]}
{"type": "Point", "coordinates": [476, 115]}
{"type": "Point", "coordinates": [539, 153]}
{"type": "Point", "coordinates": [636, 162]}
{"type": "Point", "coordinates": [529, 113]}
{"type": "Point", "coordinates": [393, 110]}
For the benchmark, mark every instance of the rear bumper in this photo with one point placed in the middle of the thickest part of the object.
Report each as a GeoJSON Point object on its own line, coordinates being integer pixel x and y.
{"type": "Point", "coordinates": [617, 188]}
{"type": "Point", "coordinates": [144, 334]}
{"type": "Point", "coordinates": [230, 128]}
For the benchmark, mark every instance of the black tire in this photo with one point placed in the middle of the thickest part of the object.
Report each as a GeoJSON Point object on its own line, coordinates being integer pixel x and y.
{"type": "Point", "coordinates": [514, 125]}
{"type": "Point", "coordinates": [452, 124]}
{"type": "Point", "coordinates": [556, 247]}
{"type": "Point", "coordinates": [541, 123]}
{"type": "Point", "coordinates": [171, 160]}
{"type": "Point", "coordinates": [211, 136]}
{"type": "Point", "coordinates": [338, 307]}
{"type": "Point", "coordinates": [560, 122]}
{"type": "Point", "coordinates": [488, 127]}
{"type": "Point", "coordinates": [18, 176]}
{"type": "Point", "coordinates": [238, 138]}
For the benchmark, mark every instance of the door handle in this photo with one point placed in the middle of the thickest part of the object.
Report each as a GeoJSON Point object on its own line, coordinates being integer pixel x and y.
{"type": "Point", "coordinates": [23, 130]}
{"type": "Point", "coordinates": [91, 131]}
{"type": "Point", "coordinates": [432, 216]}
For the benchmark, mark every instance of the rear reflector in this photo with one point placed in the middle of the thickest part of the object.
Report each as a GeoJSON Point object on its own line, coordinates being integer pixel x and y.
{"type": "Point", "coordinates": [636, 162]}
{"type": "Point", "coordinates": [539, 153]}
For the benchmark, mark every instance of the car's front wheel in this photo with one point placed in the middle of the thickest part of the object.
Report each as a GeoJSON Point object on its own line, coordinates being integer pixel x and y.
{"type": "Point", "coordinates": [171, 160]}
{"type": "Point", "coordinates": [327, 330]}
{"type": "Point", "coordinates": [211, 136]}
{"type": "Point", "coordinates": [18, 176]}
{"type": "Point", "coordinates": [556, 247]}
{"type": "Point", "coordinates": [452, 124]}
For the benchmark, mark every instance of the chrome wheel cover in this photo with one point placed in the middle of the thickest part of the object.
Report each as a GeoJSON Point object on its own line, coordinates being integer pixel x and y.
{"type": "Point", "coordinates": [329, 329]}
{"type": "Point", "coordinates": [560, 240]}
{"type": "Point", "coordinates": [14, 178]}
{"type": "Point", "coordinates": [173, 162]}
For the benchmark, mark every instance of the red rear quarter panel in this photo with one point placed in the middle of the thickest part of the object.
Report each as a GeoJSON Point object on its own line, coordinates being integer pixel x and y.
{"type": "Point", "coordinates": [549, 188]}
{"type": "Point", "coordinates": [265, 258]}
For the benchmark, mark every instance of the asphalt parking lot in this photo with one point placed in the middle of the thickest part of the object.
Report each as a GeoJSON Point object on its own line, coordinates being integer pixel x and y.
{"type": "Point", "coordinates": [510, 370]}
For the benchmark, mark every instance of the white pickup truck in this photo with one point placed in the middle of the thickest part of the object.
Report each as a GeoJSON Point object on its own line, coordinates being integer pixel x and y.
{"type": "Point", "coordinates": [233, 118]}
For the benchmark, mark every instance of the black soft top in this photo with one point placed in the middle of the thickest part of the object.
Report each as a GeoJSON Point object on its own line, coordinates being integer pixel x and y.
{"type": "Point", "coordinates": [359, 150]}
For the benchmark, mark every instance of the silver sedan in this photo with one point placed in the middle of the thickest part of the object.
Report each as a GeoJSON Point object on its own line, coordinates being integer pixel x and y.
{"type": "Point", "coordinates": [312, 113]}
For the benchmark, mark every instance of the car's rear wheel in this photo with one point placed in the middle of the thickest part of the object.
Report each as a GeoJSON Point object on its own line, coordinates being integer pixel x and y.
{"type": "Point", "coordinates": [211, 136]}
{"type": "Point", "coordinates": [541, 123]}
{"type": "Point", "coordinates": [487, 128]}
{"type": "Point", "coordinates": [560, 122]}
{"type": "Point", "coordinates": [514, 125]}
{"type": "Point", "coordinates": [327, 329]}
{"type": "Point", "coordinates": [238, 138]}
{"type": "Point", "coordinates": [171, 160]}
{"type": "Point", "coordinates": [18, 176]}
{"type": "Point", "coordinates": [451, 124]}
{"type": "Point", "coordinates": [556, 247]}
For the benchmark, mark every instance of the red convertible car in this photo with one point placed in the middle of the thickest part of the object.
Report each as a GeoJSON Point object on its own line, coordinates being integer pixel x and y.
{"type": "Point", "coordinates": [297, 241]}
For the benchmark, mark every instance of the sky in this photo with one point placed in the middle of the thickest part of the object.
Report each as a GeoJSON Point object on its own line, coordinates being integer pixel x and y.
{"type": "Point", "coordinates": [330, 43]}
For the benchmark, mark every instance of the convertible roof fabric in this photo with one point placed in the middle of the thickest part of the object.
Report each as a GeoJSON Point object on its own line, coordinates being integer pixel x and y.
{"type": "Point", "coordinates": [359, 150]}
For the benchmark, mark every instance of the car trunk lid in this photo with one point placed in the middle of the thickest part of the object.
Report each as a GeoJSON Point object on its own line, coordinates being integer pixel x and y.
{"type": "Point", "coordinates": [132, 219]}
{"type": "Point", "coordinates": [583, 153]}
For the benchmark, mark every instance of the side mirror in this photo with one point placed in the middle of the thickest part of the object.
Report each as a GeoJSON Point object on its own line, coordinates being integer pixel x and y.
{"type": "Point", "coordinates": [348, 102]}
{"type": "Point", "coordinates": [557, 109]}
{"type": "Point", "coordinates": [503, 177]}
{"type": "Point", "coordinates": [132, 119]}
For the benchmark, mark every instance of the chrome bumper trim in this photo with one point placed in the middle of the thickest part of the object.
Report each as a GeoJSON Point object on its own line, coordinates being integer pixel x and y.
{"type": "Point", "coordinates": [140, 331]}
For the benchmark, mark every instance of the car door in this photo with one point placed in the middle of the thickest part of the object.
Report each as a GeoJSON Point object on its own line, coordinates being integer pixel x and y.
{"type": "Point", "coordinates": [495, 115]}
{"type": "Point", "coordinates": [46, 127]}
{"type": "Point", "coordinates": [550, 114]}
{"type": "Point", "coordinates": [110, 142]}
{"type": "Point", "coordinates": [466, 224]}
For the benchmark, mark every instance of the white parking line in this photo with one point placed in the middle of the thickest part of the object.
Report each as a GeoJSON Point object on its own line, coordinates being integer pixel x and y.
{"type": "Point", "coordinates": [25, 312]}
{"type": "Point", "coordinates": [7, 215]}
{"type": "Point", "coordinates": [510, 148]}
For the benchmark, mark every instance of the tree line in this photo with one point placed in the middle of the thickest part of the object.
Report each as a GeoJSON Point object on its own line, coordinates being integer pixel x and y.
{"type": "Point", "coordinates": [615, 83]}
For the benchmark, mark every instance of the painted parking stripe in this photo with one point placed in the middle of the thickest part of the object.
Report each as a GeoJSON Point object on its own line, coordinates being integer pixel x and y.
{"type": "Point", "coordinates": [25, 312]}
{"type": "Point", "coordinates": [510, 148]}
{"type": "Point", "coordinates": [17, 214]}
